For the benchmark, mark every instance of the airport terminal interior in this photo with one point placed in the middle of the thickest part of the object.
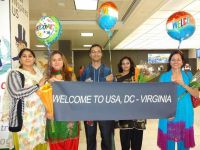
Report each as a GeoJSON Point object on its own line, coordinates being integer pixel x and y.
{"type": "Point", "coordinates": [141, 29]}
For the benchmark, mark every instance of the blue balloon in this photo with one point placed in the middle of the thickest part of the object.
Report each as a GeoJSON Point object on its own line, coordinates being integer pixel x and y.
{"type": "Point", "coordinates": [107, 22]}
{"type": "Point", "coordinates": [182, 34]}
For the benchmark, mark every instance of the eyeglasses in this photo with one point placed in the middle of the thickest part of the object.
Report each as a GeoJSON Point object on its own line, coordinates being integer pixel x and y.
{"type": "Point", "coordinates": [96, 52]}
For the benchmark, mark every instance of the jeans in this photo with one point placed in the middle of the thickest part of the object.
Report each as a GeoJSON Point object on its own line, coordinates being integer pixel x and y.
{"type": "Point", "coordinates": [106, 130]}
{"type": "Point", "coordinates": [131, 138]}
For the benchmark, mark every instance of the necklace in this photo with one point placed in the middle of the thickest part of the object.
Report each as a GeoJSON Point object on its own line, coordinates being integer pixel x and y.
{"type": "Point", "coordinates": [55, 72]}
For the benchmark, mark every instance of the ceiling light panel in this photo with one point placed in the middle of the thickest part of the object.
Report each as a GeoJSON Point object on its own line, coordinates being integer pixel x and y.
{"type": "Point", "coordinates": [39, 46]}
{"type": "Point", "coordinates": [86, 4]}
{"type": "Point", "coordinates": [86, 34]}
{"type": "Point", "coordinates": [87, 45]}
{"type": "Point", "coordinates": [62, 4]}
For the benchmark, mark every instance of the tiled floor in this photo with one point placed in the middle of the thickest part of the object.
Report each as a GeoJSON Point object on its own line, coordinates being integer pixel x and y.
{"type": "Point", "coordinates": [150, 135]}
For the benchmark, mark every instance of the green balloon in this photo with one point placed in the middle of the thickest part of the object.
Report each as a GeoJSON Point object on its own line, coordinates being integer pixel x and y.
{"type": "Point", "coordinates": [48, 30]}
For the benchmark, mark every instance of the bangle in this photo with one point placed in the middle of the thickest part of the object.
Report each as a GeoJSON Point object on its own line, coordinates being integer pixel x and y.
{"type": "Point", "coordinates": [184, 86]}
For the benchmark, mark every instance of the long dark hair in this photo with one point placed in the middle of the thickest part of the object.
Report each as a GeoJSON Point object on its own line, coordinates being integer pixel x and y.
{"type": "Point", "coordinates": [132, 65]}
{"type": "Point", "coordinates": [67, 76]}
{"type": "Point", "coordinates": [171, 55]}
{"type": "Point", "coordinates": [21, 53]}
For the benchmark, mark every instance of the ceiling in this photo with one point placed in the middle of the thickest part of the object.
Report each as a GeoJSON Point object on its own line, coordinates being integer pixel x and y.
{"type": "Point", "coordinates": [141, 23]}
{"type": "Point", "coordinates": [152, 33]}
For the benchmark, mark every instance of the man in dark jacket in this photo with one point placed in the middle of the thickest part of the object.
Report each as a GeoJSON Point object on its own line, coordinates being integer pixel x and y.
{"type": "Point", "coordinates": [98, 72]}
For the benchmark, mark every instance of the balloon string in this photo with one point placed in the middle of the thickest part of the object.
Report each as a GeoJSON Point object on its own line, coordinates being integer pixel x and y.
{"type": "Point", "coordinates": [49, 50]}
{"type": "Point", "coordinates": [73, 61]}
{"type": "Point", "coordinates": [110, 54]}
{"type": "Point", "coordinates": [179, 45]}
{"type": "Point", "coordinates": [49, 54]}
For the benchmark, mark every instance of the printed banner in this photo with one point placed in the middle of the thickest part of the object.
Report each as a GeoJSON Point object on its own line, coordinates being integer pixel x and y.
{"type": "Point", "coordinates": [14, 35]}
{"type": "Point", "coordinates": [19, 28]}
{"type": "Point", "coordinates": [5, 66]}
{"type": "Point", "coordinates": [113, 101]}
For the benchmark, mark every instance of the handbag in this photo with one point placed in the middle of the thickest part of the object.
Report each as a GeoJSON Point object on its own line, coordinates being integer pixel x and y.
{"type": "Point", "coordinates": [195, 101]}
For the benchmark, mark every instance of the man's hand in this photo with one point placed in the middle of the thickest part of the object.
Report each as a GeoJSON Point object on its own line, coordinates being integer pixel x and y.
{"type": "Point", "coordinates": [109, 78]}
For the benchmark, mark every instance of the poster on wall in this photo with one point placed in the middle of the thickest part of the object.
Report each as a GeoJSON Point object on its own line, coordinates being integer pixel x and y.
{"type": "Point", "coordinates": [5, 66]}
{"type": "Point", "coordinates": [158, 58]}
{"type": "Point", "coordinates": [19, 28]}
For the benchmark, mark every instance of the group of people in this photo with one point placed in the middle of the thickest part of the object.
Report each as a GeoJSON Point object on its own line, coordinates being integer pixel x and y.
{"type": "Point", "coordinates": [32, 124]}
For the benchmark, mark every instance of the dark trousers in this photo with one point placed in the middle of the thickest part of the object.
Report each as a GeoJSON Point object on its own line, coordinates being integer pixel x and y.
{"type": "Point", "coordinates": [106, 130]}
{"type": "Point", "coordinates": [131, 138]}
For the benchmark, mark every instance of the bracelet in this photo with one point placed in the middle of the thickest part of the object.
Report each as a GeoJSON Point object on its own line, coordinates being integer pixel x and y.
{"type": "Point", "coordinates": [38, 85]}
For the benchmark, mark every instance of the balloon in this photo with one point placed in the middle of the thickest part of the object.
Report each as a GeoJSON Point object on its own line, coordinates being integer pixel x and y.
{"type": "Point", "coordinates": [107, 15]}
{"type": "Point", "coordinates": [180, 25]}
{"type": "Point", "coordinates": [48, 30]}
